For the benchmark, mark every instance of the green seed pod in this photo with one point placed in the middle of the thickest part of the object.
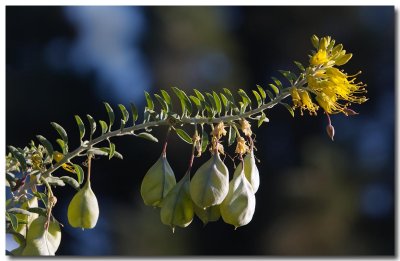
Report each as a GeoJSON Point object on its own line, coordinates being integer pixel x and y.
{"type": "Point", "coordinates": [30, 203]}
{"type": "Point", "coordinates": [210, 183]}
{"type": "Point", "coordinates": [83, 211]}
{"type": "Point", "coordinates": [251, 171]}
{"type": "Point", "coordinates": [209, 214]}
{"type": "Point", "coordinates": [239, 205]}
{"type": "Point", "coordinates": [41, 241]}
{"type": "Point", "coordinates": [177, 206]}
{"type": "Point", "coordinates": [157, 182]}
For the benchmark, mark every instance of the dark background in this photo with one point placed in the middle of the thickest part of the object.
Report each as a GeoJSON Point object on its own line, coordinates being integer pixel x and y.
{"type": "Point", "coordinates": [316, 197]}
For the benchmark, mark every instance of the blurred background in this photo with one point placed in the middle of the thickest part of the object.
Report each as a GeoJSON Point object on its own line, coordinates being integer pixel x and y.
{"type": "Point", "coordinates": [316, 197]}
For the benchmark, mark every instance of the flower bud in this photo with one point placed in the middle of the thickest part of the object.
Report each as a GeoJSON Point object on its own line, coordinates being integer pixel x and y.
{"type": "Point", "coordinates": [177, 206]}
{"type": "Point", "coordinates": [210, 183]}
{"type": "Point", "coordinates": [157, 182]}
{"type": "Point", "coordinates": [239, 205]}
{"type": "Point", "coordinates": [209, 214]}
{"type": "Point", "coordinates": [330, 130]}
{"type": "Point", "coordinates": [41, 241]}
{"type": "Point", "coordinates": [83, 211]}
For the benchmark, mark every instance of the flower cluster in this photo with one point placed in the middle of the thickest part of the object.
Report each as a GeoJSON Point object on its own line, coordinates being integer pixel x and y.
{"type": "Point", "coordinates": [334, 90]}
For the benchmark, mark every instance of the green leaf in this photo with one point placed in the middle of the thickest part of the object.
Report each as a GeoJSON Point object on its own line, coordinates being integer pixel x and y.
{"type": "Point", "coordinates": [300, 66]}
{"type": "Point", "coordinates": [263, 118]}
{"type": "Point", "coordinates": [61, 131]}
{"type": "Point", "coordinates": [277, 82]}
{"type": "Point", "coordinates": [204, 140]}
{"type": "Point", "coordinates": [81, 126]}
{"type": "Point", "coordinates": [104, 151]}
{"type": "Point", "coordinates": [199, 95]}
{"type": "Point", "coordinates": [134, 113]}
{"type": "Point", "coordinates": [92, 124]}
{"type": "Point", "coordinates": [258, 98]}
{"type": "Point", "coordinates": [63, 146]}
{"type": "Point", "coordinates": [112, 150]}
{"type": "Point", "coordinates": [18, 156]}
{"type": "Point", "coordinates": [55, 181]}
{"type": "Point", "coordinates": [41, 211]}
{"type": "Point", "coordinates": [47, 145]}
{"type": "Point", "coordinates": [103, 126]}
{"type": "Point", "coordinates": [229, 95]}
{"type": "Point", "coordinates": [225, 102]}
{"type": "Point", "coordinates": [79, 173]}
{"type": "Point", "coordinates": [291, 77]}
{"type": "Point", "coordinates": [184, 99]}
{"type": "Point", "coordinates": [197, 102]}
{"type": "Point", "coordinates": [217, 102]}
{"type": "Point", "coordinates": [274, 88]}
{"type": "Point", "coordinates": [111, 115]}
{"type": "Point", "coordinates": [124, 112]}
{"type": "Point", "coordinates": [167, 99]}
{"type": "Point", "coordinates": [162, 102]}
{"type": "Point", "coordinates": [211, 101]}
{"type": "Point", "coordinates": [262, 92]}
{"type": "Point", "coordinates": [184, 136]}
{"type": "Point", "coordinates": [18, 211]}
{"type": "Point", "coordinates": [13, 219]}
{"type": "Point", "coordinates": [231, 135]}
{"type": "Point", "coordinates": [289, 108]}
{"type": "Point", "coordinates": [42, 197]}
{"type": "Point", "coordinates": [147, 136]}
{"type": "Point", "coordinates": [70, 181]}
{"type": "Point", "coordinates": [246, 99]}
{"type": "Point", "coordinates": [150, 103]}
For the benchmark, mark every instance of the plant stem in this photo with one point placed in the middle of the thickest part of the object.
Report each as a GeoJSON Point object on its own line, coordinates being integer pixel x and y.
{"type": "Point", "coordinates": [184, 120]}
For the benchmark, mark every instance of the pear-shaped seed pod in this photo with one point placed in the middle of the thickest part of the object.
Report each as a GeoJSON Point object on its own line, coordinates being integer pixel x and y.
{"type": "Point", "coordinates": [41, 241]}
{"type": "Point", "coordinates": [29, 203]}
{"type": "Point", "coordinates": [251, 171]}
{"type": "Point", "coordinates": [157, 182]}
{"type": "Point", "coordinates": [83, 211]}
{"type": "Point", "coordinates": [239, 205]}
{"type": "Point", "coordinates": [177, 206]}
{"type": "Point", "coordinates": [210, 183]}
{"type": "Point", "coordinates": [209, 214]}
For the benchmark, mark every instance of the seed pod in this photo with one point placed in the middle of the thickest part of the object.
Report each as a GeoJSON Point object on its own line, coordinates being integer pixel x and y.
{"type": "Point", "coordinates": [239, 205]}
{"type": "Point", "coordinates": [83, 211]}
{"type": "Point", "coordinates": [251, 171]}
{"type": "Point", "coordinates": [157, 182]}
{"type": "Point", "coordinates": [30, 203]}
{"type": "Point", "coordinates": [177, 206]}
{"type": "Point", "coordinates": [210, 183]}
{"type": "Point", "coordinates": [41, 241]}
{"type": "Point", "coordinates": [209, 214]}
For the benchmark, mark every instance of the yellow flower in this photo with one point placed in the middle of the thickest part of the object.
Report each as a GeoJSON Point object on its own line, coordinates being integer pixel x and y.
{"type": "Point", "coordinates": [334, 85]}
{"type": "Point", "coordinates": [302, 100]}
{"type": "Point", "coordinates": [57, 156]}
{"type": "Point", "coordinates": [319, 58]}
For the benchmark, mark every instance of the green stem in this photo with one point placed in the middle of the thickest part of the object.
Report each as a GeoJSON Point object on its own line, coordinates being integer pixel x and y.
{"type": "Point", "coordinates": [184, 120]}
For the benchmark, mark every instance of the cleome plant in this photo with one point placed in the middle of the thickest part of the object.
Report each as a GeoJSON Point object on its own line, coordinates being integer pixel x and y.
{"type": "Point", "coordinates": [217, 120]}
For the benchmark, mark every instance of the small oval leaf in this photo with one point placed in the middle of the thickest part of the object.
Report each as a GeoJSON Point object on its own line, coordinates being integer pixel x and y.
{"type": "Point", "coordinates": [147, 136]}
{"type": "Point", "coordinates": [79, 173]}
{"type": "Point", "coordinates": [111, 115]}
{"type": "Point", "coordinates": [81, 126]}
{"type": "Point", "coordinates": [184, 136]}
{"type": "Point", "coordinates": [61, 131]}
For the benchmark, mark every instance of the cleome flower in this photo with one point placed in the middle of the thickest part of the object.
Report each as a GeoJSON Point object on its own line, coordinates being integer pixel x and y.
{"type": "Point", "coordinates": [334, 90]}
